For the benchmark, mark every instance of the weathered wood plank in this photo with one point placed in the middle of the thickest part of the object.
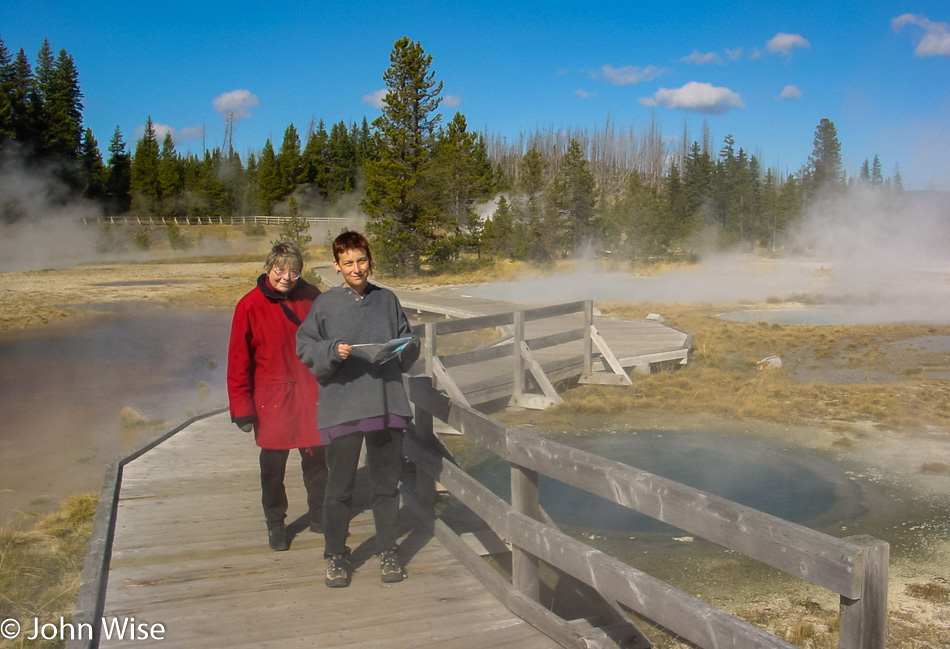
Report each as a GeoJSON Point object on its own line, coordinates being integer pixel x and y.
{"type": "Point", "coordinates": [190, 552]}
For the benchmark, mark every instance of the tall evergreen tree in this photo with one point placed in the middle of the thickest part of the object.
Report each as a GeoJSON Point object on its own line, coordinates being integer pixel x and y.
{"type": "Point", "coordinates": [877, 177]}
{"type": "Point", "coordinates": [62, 110]}
{"type": "Point", "coordinates": [464, 173]}
{"type": "Point", "coordinates": [824, 165]}
{"type": "Point", "coordinates": [315, 159]}
{"type": "Point", "coordinates": [119, 177]}
{"type": "Point", "coordinates": [6, 90]}
{"type": "Point", "coordinates": [407, 217]}
{"type": "Point", "coordinates": [144, 173]}
{"type": "Point", "coordinates": [269, 178]}
{"type": "Point", "coordinates": [698, 185]}
{"type": "Point", "coordinates": [288, 161]}
{"type": "Point", "coordinates": [171, 179]}
{"type": "Point", "coordinates": [93, 171]}
{"type": "Point", "coordinates": [342, 161]}
{"type": "Point", "coordinates": [23, 103]}
{"type": "Point", "coordinates": [576, 196]}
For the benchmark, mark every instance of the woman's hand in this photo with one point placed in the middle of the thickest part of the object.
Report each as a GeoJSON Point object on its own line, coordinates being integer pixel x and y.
{"type": "Point", "coordinates": [343, 350]}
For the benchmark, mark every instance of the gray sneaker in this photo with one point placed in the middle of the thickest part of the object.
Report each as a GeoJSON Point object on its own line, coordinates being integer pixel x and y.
{"type": "Point", "coordinates": [390, 569]}
{"type": "Point", "coordinates": [338, 571]}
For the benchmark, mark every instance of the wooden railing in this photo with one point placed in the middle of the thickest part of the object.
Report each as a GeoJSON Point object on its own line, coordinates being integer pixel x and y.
{"type": "Point", "coordinates": [211, 220]}
{"type": "Point", "coordinates": [522, 353]}
{"type": "Point", "coordinates": [855, 567]}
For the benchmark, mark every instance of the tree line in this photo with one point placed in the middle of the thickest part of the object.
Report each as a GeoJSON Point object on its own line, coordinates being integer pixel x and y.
{"type": "Point", "coordinates": [437, 194]}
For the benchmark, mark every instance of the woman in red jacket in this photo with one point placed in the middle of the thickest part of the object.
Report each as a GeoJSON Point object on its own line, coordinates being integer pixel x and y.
{"type": "Point", "coordinates": [271, 392]}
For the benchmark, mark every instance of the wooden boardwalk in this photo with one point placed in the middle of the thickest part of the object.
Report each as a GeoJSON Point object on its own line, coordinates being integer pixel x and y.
{"type": "Point", "coordinates": [190, 552]}
{"type": "Point", "coordinates": [637, 344]}
{"type": "Point", "coordinates": [179, 549]}
{"type": "Point", "coordinates": [189, 547]}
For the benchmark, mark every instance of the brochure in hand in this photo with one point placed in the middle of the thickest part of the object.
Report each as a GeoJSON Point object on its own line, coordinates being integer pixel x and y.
{"type": "Point", "coordinates": [380, 353]}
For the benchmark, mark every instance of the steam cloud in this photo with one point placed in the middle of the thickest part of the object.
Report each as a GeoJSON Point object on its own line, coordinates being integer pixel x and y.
{"type": "Point", "coordinates": [880, 258]}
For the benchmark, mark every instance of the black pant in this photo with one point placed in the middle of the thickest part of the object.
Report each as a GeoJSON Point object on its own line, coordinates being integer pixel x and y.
{"type": "Point", "coordinates": [384, 462]}
{"type": "Point", "coordinates": [313, 464]}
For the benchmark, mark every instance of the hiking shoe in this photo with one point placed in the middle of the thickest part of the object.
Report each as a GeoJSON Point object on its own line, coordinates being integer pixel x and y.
{"type": "Point", "coordinates": [338, 571]}
{"type": "Point", "coordinates": [390, 569]}
{"type": "Point", "coordinates": [277, 539]}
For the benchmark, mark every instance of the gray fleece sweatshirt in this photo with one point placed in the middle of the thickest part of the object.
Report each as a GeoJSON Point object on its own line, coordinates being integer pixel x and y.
{"type": "Point", "coordinates": [355, 388]}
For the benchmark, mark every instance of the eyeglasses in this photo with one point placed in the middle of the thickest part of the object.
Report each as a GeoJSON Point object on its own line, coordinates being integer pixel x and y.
{"type": "Point", "coordinates": [292, 275]}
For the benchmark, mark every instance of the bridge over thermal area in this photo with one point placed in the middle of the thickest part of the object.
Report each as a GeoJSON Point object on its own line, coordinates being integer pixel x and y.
{"type": "Point", "coordinates": [525, 351]}
{"type": "Point", "coordinates": [179, 550]}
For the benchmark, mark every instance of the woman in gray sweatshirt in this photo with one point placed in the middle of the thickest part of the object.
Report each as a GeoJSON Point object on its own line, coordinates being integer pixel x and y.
{"type": "Point", "coordinates": [360, 400]}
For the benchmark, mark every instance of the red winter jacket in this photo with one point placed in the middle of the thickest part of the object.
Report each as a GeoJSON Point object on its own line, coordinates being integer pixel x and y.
{"type": "Point", "coordinates": [267, 383]}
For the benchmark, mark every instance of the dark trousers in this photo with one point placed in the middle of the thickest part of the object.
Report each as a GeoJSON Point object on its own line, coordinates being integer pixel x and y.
{"type": "Point", "coordinates": [313, 464]}
{"type": "Point", "coordinates": [384, 463]}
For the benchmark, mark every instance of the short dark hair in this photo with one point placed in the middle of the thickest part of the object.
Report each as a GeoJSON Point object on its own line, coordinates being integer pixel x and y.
{"type": "Point", "coordinates": [352, 240]}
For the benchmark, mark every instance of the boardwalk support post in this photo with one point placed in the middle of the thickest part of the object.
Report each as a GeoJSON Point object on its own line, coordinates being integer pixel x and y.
{"type": "Point", "coordinates": [524, 360]}
{"type": "Point", "coordinates": [524, 500]}
{"type": "Point", "coordinates": [863, 622]}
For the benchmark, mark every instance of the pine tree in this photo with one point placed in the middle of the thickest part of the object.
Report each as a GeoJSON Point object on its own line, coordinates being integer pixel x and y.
{"type": "Point", "coordinates": [23, 103]}
{"type": "Point", "coordinates": [824, 165]}
{"type": "Point", "coordinates": [464, 173]}
{"type": "Point", "coordinates": [119, 178]}
{"type": "Point", "coordinates": [295, 228]}
{"type": "Point", "coordinates": [144, 173]}
{"type": "Point", "coordinates": [877, 178]}
{"type": "Point", "coordinates": [269, 179]}
{"type": "Point", "coordinates": [6, 90]}
{"type": "Point", "coordinates": [288, 161]}
{"type": "Point", "coordinates": [62, 110]}
{"type": "Point", "coordinates": [315, 160]}
{"type": "Point", "coordinates": [407, 218]}
{"type": "Point", "coordinates": [93, 172]}
{"type": "Point", "coordinates": [171, 179]}
{"type": "Point", "coordinates": [341, 154]}
{"type": "Point", "coordinates": [575, 190]}
{"type": "Point", "coordinates": [864, 176]}
{"type": "Point", "coordinates": [698, 185]}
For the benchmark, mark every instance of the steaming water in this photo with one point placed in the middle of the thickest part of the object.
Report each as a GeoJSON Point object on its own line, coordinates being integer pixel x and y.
{"type": "Point", "coordinates": [63, 386]}
{"type": "Point", "coordinates": [795, 486]}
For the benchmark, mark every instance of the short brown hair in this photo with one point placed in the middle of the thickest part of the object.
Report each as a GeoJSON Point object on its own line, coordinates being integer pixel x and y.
{"type": "Point", "coordinates": [351, 240]}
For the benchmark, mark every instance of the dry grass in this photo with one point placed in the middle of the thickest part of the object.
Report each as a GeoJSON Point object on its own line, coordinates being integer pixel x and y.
{"type": "Point", "coordinates": [40, 566]}
{"type": "Point", "coordinates": [723, 377]}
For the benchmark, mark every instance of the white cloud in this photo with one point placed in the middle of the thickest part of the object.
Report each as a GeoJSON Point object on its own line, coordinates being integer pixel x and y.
{"type": "Point", "coordinates": [451, 101]}
{"type": "Point", "coordinates": [701, 59]}
{"type": "Point", "coordinates": [783, 43]}
{"type": "Point", "coordinates": [189, 133]}
{"type": "Point", "coordinates": [936, 40]}
{"type": "Point", "coordinates": [790, 92]}
{"type": "Point", "coordinates": [631, 74]}
{"type": "Point", "coordinates": [584, 93]}
{"type": "Point", "coordinates": [700, 97]}
{"type": "Point", "coordinates": [375, 98]}
{"type": "Point", "coordinates": [734, 55]}
{"type": "Point", "coordinates": [161, 130]}
{"type": "Point", "coordinates": [236, 102]}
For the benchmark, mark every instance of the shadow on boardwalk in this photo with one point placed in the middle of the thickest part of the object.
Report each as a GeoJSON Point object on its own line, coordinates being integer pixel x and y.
{"type": "Point", "coordinates": [190, 553]}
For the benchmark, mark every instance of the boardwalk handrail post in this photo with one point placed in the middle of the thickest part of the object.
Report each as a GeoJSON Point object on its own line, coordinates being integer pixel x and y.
{"type": "Point", "coordinates": [525, 567]}
{"type": "Point", "coordinates": [588, 340]}
{"type": "Point", "coordinates": [430, 349]}
{"type": "Point", "coordinates": [422, 423]}
{"type": "Point", "coordinates": [862, 623]}
{"type": "Point", "coordinates": [518, 385]}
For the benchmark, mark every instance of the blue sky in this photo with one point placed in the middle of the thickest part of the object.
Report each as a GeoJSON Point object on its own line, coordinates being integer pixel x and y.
{"type": "Point", "coordinates": [766, 73]}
